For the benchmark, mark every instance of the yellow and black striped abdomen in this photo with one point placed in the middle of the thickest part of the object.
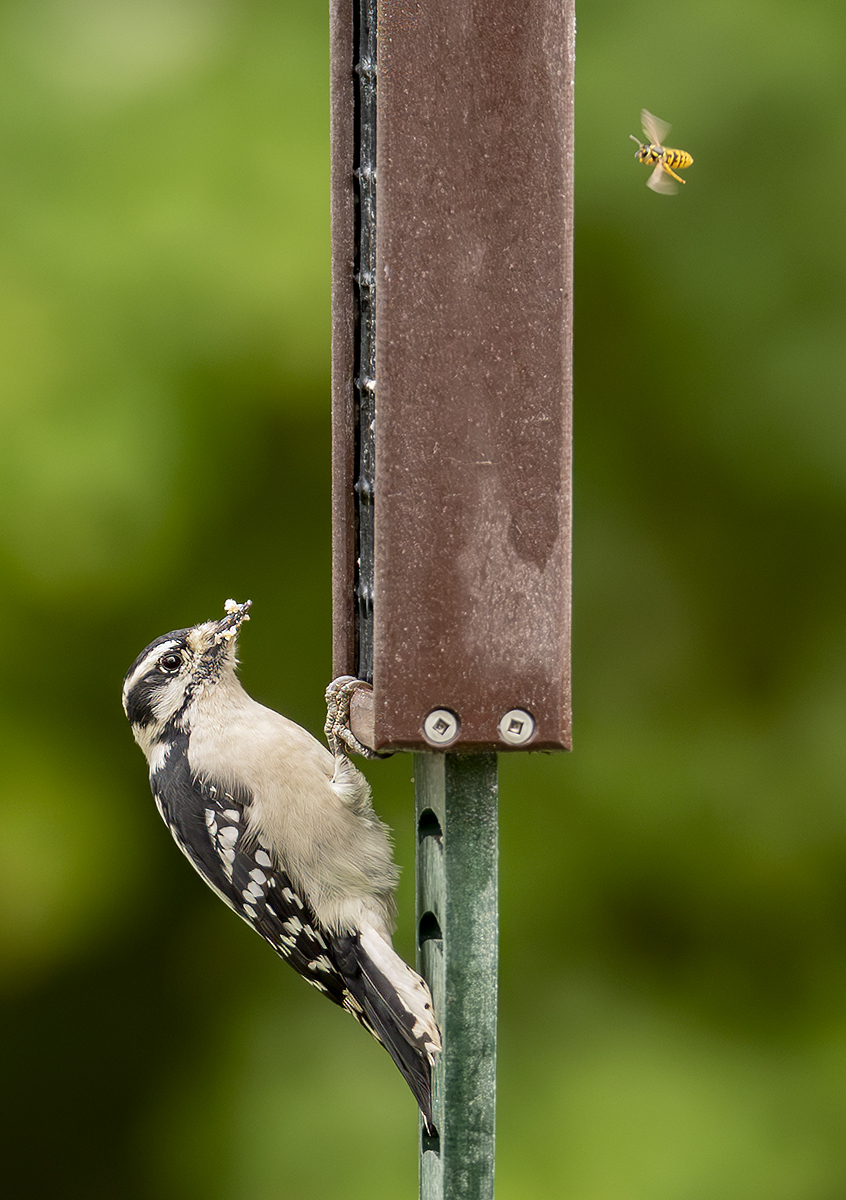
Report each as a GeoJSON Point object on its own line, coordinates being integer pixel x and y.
{"type": "Point", "coordinates": [676, 160]}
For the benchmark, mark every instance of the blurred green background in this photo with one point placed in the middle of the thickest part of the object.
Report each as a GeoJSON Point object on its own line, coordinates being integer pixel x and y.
{"type": "Point", "coordinates": [673, 986]}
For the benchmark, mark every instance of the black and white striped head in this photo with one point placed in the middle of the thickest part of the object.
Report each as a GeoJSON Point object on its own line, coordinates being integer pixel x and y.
{"type": "Point", "coordinates": [174, 669]}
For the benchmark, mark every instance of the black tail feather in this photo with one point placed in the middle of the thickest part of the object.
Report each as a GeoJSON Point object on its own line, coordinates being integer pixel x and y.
{"type": "Point", "coordinates": [387, 1018]}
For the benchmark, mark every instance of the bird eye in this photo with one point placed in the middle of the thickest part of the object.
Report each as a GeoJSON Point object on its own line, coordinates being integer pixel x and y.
{"type": "Point", "coordinates": [171, 662]}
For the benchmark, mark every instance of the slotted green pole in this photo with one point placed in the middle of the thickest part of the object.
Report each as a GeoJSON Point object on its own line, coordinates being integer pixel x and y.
{"type": "Point", "coordinates": [457, 922]}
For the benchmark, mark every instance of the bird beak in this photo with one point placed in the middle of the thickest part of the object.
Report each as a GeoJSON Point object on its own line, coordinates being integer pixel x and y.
{"type": "Point", "coordinates": [226, 629]}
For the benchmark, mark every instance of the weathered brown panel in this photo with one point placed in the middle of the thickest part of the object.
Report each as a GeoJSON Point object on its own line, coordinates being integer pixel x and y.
{"type": "Point", "coordinates": [473, 381]}
{"type": "Point", "coordinates": [342, 101]}
{"type": "Point", "coordinates": [474, 317]}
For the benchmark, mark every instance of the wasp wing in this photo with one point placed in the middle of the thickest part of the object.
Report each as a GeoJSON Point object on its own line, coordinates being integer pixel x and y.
{"type": "Point", "coordinates": [661, 182]}
{"type": "Point", "coordinates": [655, 129]}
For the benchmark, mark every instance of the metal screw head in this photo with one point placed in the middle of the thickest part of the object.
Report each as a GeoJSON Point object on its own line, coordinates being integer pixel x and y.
{"type": "Point", "coordinates": [440, 727]}
{"type": "Point", "coordinates": [516, 727]}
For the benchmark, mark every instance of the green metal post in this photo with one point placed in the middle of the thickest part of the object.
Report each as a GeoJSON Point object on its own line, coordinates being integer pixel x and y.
{"type": "Point", "coordinates": [456, 805]}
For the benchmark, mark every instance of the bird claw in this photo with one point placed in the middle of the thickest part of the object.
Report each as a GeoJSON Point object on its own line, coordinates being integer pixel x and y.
{"type": "Point", "coordinates": [340, 737]}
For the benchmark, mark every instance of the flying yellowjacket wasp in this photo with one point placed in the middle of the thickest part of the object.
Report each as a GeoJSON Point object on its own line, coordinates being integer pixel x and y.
{"type": "Point", "coordinates": [666, 162]}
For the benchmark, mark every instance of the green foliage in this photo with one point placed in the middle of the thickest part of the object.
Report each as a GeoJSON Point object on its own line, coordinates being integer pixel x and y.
{"type": "Point", "coordinates": [673, 930]}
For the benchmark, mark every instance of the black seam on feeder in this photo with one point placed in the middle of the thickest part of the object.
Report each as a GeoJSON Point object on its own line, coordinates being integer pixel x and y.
{"type": "Point", "coordinates": [364, 43]}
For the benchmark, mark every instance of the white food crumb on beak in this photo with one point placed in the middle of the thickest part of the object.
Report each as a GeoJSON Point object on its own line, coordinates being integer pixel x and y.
{"type": "Point", "coordinates": [230, 607]}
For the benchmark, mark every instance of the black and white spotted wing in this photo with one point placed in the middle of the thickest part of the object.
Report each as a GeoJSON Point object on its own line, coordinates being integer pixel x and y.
{"type": "Point", "coordinates": [209, 825]}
